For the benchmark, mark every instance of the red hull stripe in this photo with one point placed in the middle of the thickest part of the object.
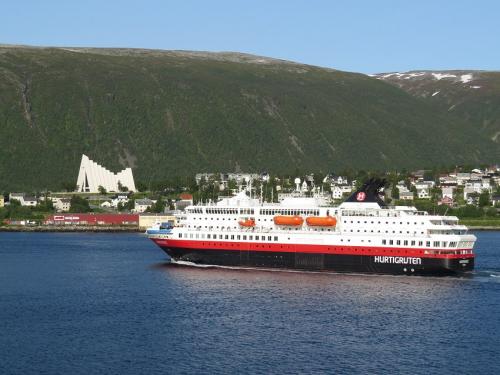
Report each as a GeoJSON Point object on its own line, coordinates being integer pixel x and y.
{"type": "Point", "coordinates": [304, 248]}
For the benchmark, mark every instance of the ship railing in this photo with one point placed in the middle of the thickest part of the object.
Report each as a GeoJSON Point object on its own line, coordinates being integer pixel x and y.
{"type": "Point", "coordinates": [381, 213]}
{"type": "Point", "coordinates": [260, 230]}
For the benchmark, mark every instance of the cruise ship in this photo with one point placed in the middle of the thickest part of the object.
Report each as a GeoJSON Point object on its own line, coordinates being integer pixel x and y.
{"type": "Point", "coordinates": [361, 235]}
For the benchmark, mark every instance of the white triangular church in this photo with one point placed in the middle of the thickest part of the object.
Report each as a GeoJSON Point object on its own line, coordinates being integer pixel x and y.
{"type": "Point", "coordinates": [92, 175]}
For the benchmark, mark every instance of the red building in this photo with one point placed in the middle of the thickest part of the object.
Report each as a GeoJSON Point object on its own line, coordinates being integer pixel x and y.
{"type": "Point", "coordinates": [92, 219]}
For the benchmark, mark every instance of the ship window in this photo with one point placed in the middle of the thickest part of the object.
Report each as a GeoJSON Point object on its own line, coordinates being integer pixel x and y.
{"type": "Point", "coordinates": [436, 243]}
{"type": "Point", "coordinates": [220, 236]}
{"type": "Point", "coordinates": [276, 238]}
{"type": "Point", "coordinates": [238, 237]}
{"type": "Point", "coordinates": [412, 243]}
{"type": "Point", "coordinates": [232, 236]}
{"type": "Point", "coordinates": [244, 237]}
{"type": "Point", "coordinates": [405, 243]}
{"type": "Point", "coordinates": [250, 237]}
{"type": "Point", "coordinates": [256, 238]}
{"type": "Point", "coordinates": [420, 243]}
{"type": "Point", "coordinates": [391, 242]}
{"type": "Point", "coordinates": [428, 243]}
{"type": "Point", "coordinates": [180, 235]}
{"type": "Point", "coordinates": [443, 244]}
{"type": "Point", "coordinates": [208, 236]}
{"type": "Point", "coordinates": [269, 238]}
{"type": "Point", "coordinates": [190, 235]}
{"type": "Point", "coordinates": [398, 242]}
{"type": "Point", "coordinates": [226, 237]}
{"type": "Point", "coordinates": [384, 242]}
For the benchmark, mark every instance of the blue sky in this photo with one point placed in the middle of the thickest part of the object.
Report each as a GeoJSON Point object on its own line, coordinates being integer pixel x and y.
{"type": "Point", "coordinates": [364, 36]}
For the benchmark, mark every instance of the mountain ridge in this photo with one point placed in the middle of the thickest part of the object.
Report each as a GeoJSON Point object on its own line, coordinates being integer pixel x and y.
{"type": "Point", "coordinates": [168, 115]}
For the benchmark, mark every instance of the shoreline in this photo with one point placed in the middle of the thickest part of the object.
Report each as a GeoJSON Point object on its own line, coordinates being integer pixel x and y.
{"type": "Point", "coordinates": [484, 228]}
{"type": "Point", "coordinates": [115, 229]}
{"type": "Point", "coordinates": [69, 229]}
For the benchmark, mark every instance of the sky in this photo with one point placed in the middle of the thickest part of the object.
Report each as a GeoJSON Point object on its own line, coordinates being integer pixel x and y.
{"type": "Point", "coordinates": [361, 36]}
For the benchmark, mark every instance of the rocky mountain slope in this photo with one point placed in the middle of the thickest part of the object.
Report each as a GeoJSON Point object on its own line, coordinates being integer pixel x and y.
{"type": "Point", "coordinates": [168, 113]}
{"type": "Point", "coordinates": [470, 95]}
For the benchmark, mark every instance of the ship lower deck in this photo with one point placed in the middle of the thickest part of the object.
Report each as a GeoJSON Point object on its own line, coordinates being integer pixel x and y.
{"type": "Point", "coordinates": [394, 265]}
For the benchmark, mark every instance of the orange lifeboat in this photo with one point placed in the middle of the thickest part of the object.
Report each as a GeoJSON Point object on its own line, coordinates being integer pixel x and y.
{"type": "Point", "coordinates": [288, 220]}
{"type": "Point", "coordinates": [247, 223]}
{"type": "Point", "coordinates": [321, 221]}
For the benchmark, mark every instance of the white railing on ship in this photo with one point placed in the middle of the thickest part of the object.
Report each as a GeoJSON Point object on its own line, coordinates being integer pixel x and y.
{"type": "Point", "coordinates": [381, 213]}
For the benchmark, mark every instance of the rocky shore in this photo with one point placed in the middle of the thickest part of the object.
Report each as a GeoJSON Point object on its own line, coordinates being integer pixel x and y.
{"type": "Point", "coordinates": [69, 228]}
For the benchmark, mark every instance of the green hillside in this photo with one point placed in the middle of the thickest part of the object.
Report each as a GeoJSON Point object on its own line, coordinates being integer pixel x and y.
{"type": "Point", "coordinates": [167, 113]}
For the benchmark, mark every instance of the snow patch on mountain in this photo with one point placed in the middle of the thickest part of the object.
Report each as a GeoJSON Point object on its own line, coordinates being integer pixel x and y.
{"type": "Point", "coordinates": [440, 76]}
{"type": "Point", "coordinates": [437, 92]}
{"type": "Point", "coordinates": [466, 78]}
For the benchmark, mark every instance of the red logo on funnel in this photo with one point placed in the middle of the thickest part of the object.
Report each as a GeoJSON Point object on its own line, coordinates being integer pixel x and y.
{"type": "Point", "coordinates": [360, 196]}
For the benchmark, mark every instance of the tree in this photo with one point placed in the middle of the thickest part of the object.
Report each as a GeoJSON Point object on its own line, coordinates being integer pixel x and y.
{"type": "Point", "coordinates": [141, 186]}
{"type": "Point", "coordinates": [45, 205]}
{"type": "Point", "coordinates": [69, 186]}
{"type": "Point", "coordinates": [127, 206]}
{"type": "Point", "coordinates": [79, 204]}
{"type": "Point", "coordinates": [122, 188]}
{"type": "Point", "coordinates": [158, 207]}
{"type": "Point", "coordinates": [102, 190]}
{"type": "Point", "coordinates": [395, 192]}
{"type": "Point", "coordinates": [484, 199]}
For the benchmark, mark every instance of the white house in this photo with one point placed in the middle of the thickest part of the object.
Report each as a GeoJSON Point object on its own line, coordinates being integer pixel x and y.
{"type": "Point", "coordinates": [120, 198]}
{"type": "Point", "coordinates": [61, 204]}
{"type": "Point", "coordinates": [462, 178]}
{"type": "Point", "coordinates": [406, 195]}
{"type": "Point", "coordinates": [468, 191]}
{"type": "Point", "coordinates": [447, 191]}
{"type": "Point", "coordinates": [141, 205]}
{"type": "Point", "coordinates": [423, 193]}
{"type": "Point", "coordinates": [424, 184]}
{"type": "Point", "coordinates": [23, 199]}
{"type": "Point", "coordinates": [339, 190]}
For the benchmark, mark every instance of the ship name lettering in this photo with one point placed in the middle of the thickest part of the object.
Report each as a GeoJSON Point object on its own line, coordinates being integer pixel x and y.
{"type": "Point", "coordinates": [398, 260]}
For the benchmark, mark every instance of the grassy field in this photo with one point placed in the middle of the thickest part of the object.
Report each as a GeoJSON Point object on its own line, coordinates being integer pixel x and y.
{"type": "Point", "coordinates": [481, 222]}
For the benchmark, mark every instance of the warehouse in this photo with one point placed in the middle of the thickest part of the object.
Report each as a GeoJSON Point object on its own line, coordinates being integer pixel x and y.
{"type": "Point", "coordinates": [93, 219]}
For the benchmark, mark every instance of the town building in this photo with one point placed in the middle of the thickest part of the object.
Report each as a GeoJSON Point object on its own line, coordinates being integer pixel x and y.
{"type": "Point", "coordinates": [185, 200]}
{"type": "Point", "coordinates": [446, 201]}
{"type": "Point", "coordinates": [61, 204]}
{"type": "Point", "coordinates": [495, 199]}
{"type": "Point", "coordinates": [338, 191]}
{"type": "Point", "coordinates": [141, 205]}
{"type": "Point", "coordinates": [448, 191]}
{"type": "Point", "coordinates": [406, 195]}
{"type": "Point", "coordinates": [92, 176]}
{"type": "Point", "coordinates": [423, 193]}
{"type": "Point", "coordinates": [92, 219]}
{"type": "Point", "coordinates": [24, 199]}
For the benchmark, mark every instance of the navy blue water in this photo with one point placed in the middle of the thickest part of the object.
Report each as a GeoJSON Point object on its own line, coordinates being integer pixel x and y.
{"type": "Point", "coordinates": [110, 304]}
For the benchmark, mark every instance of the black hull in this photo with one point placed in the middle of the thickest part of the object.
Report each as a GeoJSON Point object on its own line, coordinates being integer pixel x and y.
{"type": "Point", "coordinates": [322, 262]}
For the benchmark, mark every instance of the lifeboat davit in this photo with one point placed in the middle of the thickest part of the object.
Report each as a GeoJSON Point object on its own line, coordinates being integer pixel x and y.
{"type": "Point", "coordinates": [321, 221]}
{"type": "Point", "coordinates": [247, 223]}
{"type": "Point", "coordinates": [288, 220]}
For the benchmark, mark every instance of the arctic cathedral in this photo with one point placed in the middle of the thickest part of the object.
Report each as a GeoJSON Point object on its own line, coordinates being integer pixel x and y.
{"type": "Point", "coordinates": [92, 175]}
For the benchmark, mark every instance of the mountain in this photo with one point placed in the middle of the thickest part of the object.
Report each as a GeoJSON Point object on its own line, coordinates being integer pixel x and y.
{"type": "Point", "coordinates": [175, 113]}
{"type": "Point", "coordinates": [470, 95]}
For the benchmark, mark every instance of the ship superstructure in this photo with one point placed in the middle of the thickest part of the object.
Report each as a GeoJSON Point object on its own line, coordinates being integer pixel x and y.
{"type": "Point", "coordinates": [360, 235]}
